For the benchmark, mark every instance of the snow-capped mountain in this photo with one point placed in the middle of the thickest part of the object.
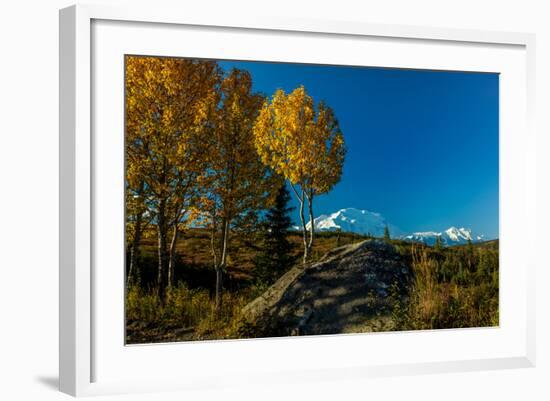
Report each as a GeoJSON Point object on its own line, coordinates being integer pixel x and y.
{"type": "Point", "coordinates": [366, 222]}
{"type": "Point", "coordinates": [451, 236]}
{"type": "Point", "coordinates": [357, 221]}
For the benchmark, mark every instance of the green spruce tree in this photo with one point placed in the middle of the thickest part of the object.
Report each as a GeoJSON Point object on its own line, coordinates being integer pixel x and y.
{"type": "Point", "coordinates": [438, 244]}
{"type": "Point", "coordinates": [470, 256]}
{"type": "Point", "coordinates": [276, 255]}
{"type": "Point", "coordinates": [387, 237]}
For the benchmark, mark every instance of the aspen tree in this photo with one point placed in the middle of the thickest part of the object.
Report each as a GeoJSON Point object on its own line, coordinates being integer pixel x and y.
{"type": "Point", "coordinates": [168, 105]}
{"type": "Point", "coordinates": [305, 145]}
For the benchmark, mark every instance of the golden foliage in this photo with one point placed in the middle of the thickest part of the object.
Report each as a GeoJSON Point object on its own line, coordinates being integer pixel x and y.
{"type": "Point", "coordinates": [169, 103]}
{"type": "Point", "coordinates": [301, 143]}
{"type": "Point", "coordinates": [237, 179]}
{"type": "Point", "coordinates": [237, 184]}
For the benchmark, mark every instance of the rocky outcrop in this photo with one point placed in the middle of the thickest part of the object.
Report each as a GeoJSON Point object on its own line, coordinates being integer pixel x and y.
{"type": "Point", "coordinates": [349, 290]}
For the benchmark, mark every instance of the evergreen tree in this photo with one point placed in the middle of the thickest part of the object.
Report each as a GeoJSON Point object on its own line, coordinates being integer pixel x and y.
{"type": "Point", "coordinates": [470, 256]}
{"type": "Point", "coordinates": [438, 243]}
{"type": "Point", "coordinates": [276, 257]}
{"type": "Point", "coordinates": [387, 234]}
{"type": "Point", "coordinates": [484, 265]}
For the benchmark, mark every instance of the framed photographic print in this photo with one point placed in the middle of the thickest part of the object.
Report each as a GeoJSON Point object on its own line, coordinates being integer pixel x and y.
{"type": "Point", "coordinates": [239, 195]}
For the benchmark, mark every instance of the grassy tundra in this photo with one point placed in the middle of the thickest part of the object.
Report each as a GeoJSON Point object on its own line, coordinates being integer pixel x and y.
{"type": "Point", "coordinates": [449, 288]}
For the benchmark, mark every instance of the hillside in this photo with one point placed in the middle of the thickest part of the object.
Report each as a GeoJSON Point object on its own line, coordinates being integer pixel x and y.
{"type": "Point", "coordinates": [195, 257]}
{"type": "Point", "coordinates": [353, 284]}
{"type": "Point", "coordinates": [347, 291]}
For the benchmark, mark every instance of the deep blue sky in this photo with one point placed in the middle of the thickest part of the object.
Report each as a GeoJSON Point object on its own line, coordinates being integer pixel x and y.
{"type": "Point", "coordinates": [422, 146]}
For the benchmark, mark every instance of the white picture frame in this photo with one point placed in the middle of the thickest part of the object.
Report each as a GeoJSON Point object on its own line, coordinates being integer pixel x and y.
{"type": "Point", "coordinates": [79, 346]}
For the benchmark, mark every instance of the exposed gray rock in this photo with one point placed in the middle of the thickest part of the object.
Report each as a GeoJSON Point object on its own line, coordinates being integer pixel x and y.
{"type": "Point", "coordinates": [342, 293]}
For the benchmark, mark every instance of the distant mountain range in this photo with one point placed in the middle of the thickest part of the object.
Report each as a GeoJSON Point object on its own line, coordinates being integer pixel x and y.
{"type": "Point", "coordinates": [355, 221]}
{"type": "Point", "coordinates": [366, 222]}
{"type": "Point", "coordinates": [451, 236]}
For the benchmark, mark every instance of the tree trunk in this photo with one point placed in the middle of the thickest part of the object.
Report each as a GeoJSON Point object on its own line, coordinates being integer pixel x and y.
{"type": "Point", "coordinates": [219, 288]}
{"type": "Point", "coordinates": [312, 226]}
{"type": "Point", "coordinates": [303, 221]}
{"type": "Point", "coordinates": [213, 243]}
{"type": "Point", "coordinates": [304, 230]}
{"type": "Point", "coordinates": [224, 242]}
{"type": "Point", "coordinates": [219, 279]}
{"type": "Point", "coordinates": [172, 258]}
{"type": "Point", "coordinates": [222, 266]}
{"type": "Point", "coordinates": [162, 252]}
{"type": "Point", "coordinates": [134, 249]}
{"type": "Point", "coordinates": [216, 264]}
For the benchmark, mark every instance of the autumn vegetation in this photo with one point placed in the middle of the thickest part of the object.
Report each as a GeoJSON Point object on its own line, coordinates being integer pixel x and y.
{"type": "Point", "coordinates": [204, 150]}
{"type": "Point", "coordinates": [304, 145]}
{"type": "Point", "coordinates": [452, 287]}
{"type": "Point", "coordinates": [211, 167]}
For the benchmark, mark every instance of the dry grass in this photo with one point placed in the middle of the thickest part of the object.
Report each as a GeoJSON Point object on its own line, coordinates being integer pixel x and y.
{"type": "Point", "coordinates": [189, 314]}
{"type": "Point", "coordinates": [444, 292]}
{"type": "Point", "coordinates": [433, 304]}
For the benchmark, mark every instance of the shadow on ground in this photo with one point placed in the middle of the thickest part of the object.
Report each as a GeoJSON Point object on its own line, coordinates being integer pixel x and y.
{"type": "Point", "coordinates": [52, 382]}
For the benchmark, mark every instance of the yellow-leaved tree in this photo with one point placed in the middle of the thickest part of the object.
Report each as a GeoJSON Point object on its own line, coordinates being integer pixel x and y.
{"type": "Point", "coordinates": [169, 106]}
{"type": "Point", "coordinates": [136, 215]}
{"type": "Point", "coordinates": [304, 144]}
{"type": "Point", "coordinates": [238, 183]}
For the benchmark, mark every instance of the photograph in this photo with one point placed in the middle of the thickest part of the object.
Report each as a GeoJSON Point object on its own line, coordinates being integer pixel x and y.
{"type": "Point", "coordinates": [274, 199]}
